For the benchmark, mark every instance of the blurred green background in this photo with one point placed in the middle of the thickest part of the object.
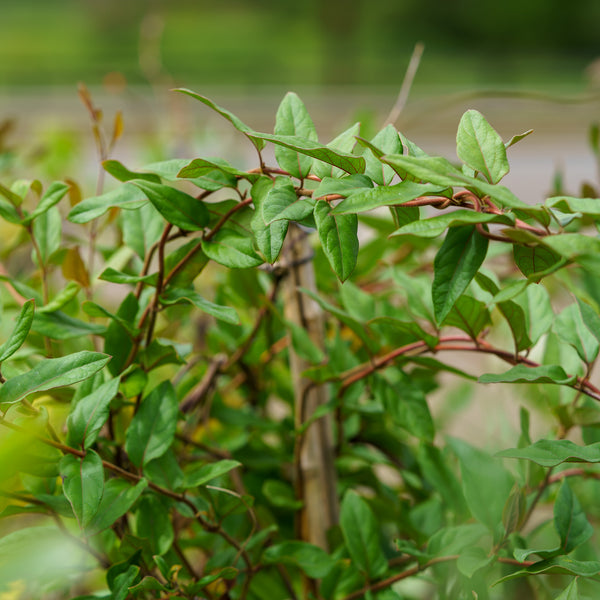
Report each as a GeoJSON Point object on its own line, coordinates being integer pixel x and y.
{"type": "Point", "coordinates": [285, 42]}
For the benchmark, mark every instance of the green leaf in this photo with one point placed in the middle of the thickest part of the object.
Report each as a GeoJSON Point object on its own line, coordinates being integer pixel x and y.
{"type": "Point", "coordinates": [407, 406]}
{"type": "Point", "coordinates": [550, 453]}
{"type": "Point", "coordinates": [213, 174]}
{"type": "Point", "coordinates": [20, 331]}
{"type": "Point", "coordinates": [343, 160]}
{"type": "Point", "coordinates": [370, 198]}
{"type": "Point", "coordinates": [152, 428]}
{"type": "Point", "coordinates": [387, 141]}
{"type": "Point", "coordinates": [486, 483]}
{"type": "Point", "coordinates": [468, 314]}
{"type": "Point", "coordinates": [235, 121]}
{"type": "Point", "coordinates": [570, 520]}
{"type": "Point", "coordinates": [517, 138]}
{"type": "Point", "coordinates": [53, 195]}
{"type": "Point", "coordinates": [570, 592]}
{"type": "Point", "coordinates": [119, 496]}
{"type": "Point", "coordinates": [89, 415]}
{"type": "Point", "coordinates": [269, 236]}
{"type": "Point", "coordinates": [455, 265]}
{"type": "Point", "coordinates": [361, 535]}
{"type": "Point", "coordinates": [342, 186]}
{"type": "Point", "coordinates": [231, 249]}
{"type": "Point", "coordinates": [344, 142]}
{"type": "Point", "coordinates": [142, 228]}
{"type": "Point", "coordinates": [472, 559]}
{"type": "Point", "coordinates": [428, 169]}
{"type": "Point", "coordinates": [177, 207]}
{"type": "Point", "coordinates": [47, 229]}
{"type": "Point", "coordinates": [303, 344]}
{"type": "Point", "coordinates": [434, 226]}
{"type": "Point", "coordinates": [8, 212]}
{"type": "Point", "coordinates": [118, 340]}
{"type": "Point", "coordinates": [569, 204]}
{"type": "Point", "coordinates": [122, 173]}
{"type": "Point", "coordinates": [83, 484]}
{"type": "Point", "coordinates": [571, 328]}
{"type": "Point", "coordinates": [525, 374]}
{"type": "Point", "coordinates": [153, 523]}
{"type": "Point", "coordinates": [280, 494]}
{"type": "Point", "coordinates": [125, 196]}
{"type": "Point", "coordinates": [281, 203]}
{"type": "Point", "coordinates": [115, 276]}
{"type": "Point", "coordinates": [339, 239]}
{"type": "Point", "coordinates": [535, 259]}
{"type": "Point", "coordinates": [63, 297]}
{"type": "Point", "coordinates": [438, 473]}
{"type": "Point", "coordinates": [480, 147]}
{"type": "Point", "coordinates": [53, 373]}
{"type": "Point", "coordinates": [293, 119]}
{"type": "Point", "coordinates": [314, 561]}
{"type": "Point", "coordinates": [573, 245]}
{"type": "Point", "coordinates": [198, 474]}
{"type": "Point", "coordinates": [561, 565]}
{"type": "Point", "coordinates": [512, 312]}
{"type": "Point", "coordinates": [223, 313]}
{"type": "Point", "coordinates": [454, 539]}
{"type": "Point", "coordinates": [59, 326]}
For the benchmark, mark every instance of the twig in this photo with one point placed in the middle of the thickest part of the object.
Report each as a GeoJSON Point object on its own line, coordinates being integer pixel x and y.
{"type": "Point", "coordinates": [409, 76]}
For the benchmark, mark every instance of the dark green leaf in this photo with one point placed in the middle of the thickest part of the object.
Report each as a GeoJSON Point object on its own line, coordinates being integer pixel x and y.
{"type": "Point", "coordinates": [280, 494]}
{"type": "Point", "coordinates": [570, 592]}
{"type": "Point", "coordinates": [231, 249]}
{"type": "Point", "coordinates": [119, 496]}
{"type": "Point", "coordinates": [89, 415]}
{"type": "Point", "coordinates": [20, 331]}
{"type": "Point", "coordinates": [387, 141]}
{"type": "Point", "coordinates": [115, 276]}
{"type": "Point", "coordinates": [480, 147]}
{"type": "Point", "coordinates": [570, 520]}
{"type": "Point", "coordinates": [153, 523]}
{"type": "Point", "coordinates": [293, 119]}
{"type": "Point", "coordinates": [535, 259]}
{"type": "Point", "coordinates": [201, 474]}
{"type": "Point", "coordinates": [549, 453]}
{"type": "Point", "coordinates": [455, 265]}
{"type": "Point", "coordinates": [344, 142]}
{"type": "Point", "coordinates": [118, 340]}
{"type": "Point", "coordinates": [339, 239]}
{"type": "Point", "coordinates": [177, 207]}
{"type": "Point", "coordinates": [468, 314]}
{"type": "Point", "coordinates": [224, 313]}
{"type": "Point", "coordinates": [314, 561]}
{"type": "Point", "coordinates": [269, 236]}
{"type": "Point", "coordinates": [53, 373]}
{"type": "Point", "coordinates": [281, 203]}
{"type": "Point", "coordinates": [152, 429]}
{"type": "Point", "coordinates": [525, 374]}
{"type": "Point", "coordinates": [343, 160]}
{"type": "Point", "coordinates": [83, 484]}
{"type": "Point", "coordinates": [361, 535]}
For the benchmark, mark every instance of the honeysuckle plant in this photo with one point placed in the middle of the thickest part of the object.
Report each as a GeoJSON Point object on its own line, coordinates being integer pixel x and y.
{"type": "Point", "coordinates": [216, 380]}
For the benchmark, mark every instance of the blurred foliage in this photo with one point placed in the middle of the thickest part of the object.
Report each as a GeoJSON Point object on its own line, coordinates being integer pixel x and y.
{"type": "Point", "coordinates": [283, 42]}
